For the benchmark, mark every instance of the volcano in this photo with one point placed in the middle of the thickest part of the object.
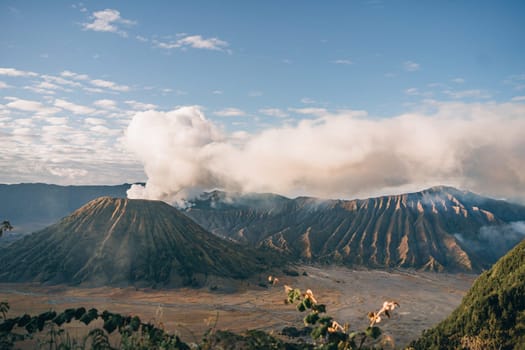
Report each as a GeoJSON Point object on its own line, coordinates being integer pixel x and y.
{"type": "Point", "coordinates": [119, 241]}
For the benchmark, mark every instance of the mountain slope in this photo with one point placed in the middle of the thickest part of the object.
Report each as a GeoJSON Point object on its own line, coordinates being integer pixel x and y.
{"type": "Point", "coordinates": [436, 229]}
{"type": "Point", "coordinates": [33, 206]}
{"type": "Point", "coordinates": [492, 314]}
{"type": "Point", "coordinates": [121, 241]}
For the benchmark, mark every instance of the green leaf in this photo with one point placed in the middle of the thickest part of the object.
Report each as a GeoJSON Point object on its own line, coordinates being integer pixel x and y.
{"type": "Point", "coordinates": [373, 332]}
{"type": "Point", "coordinates": [46, 316]}
{"type": "Point", "coordinates": [319, 308]}
{"type": "Point", "coordinates": [352, 335]}
{"type": "Point", "coordinates": [80, 312]}
{"type": "Point", "coordinates": [32, 326]}
{"type": "Point", "coordinates": [135, 323]}
{"type": "Point", "coordinates": [294, 295]}
{"type": "Point", "coordinates": [7, 325]}
{"type": "Point", "coordinates": [89, 316]}
{"type": "Point", "coordinates": [109, 325]}
{"type": "Point", "coordinates": [24, 320]}
{"type": "Point", "coordinates": [316, 333]}
{"type": "Point", "coordinates": [301, 307]}
{"type": "Point", "coordinates": [326, 320]}
{"type": "Point", "coordinates": [311, 318]}
{"type": "Point", "coordinates": [307, 303]}
{"type": "Point", "coordinates": [60, 319]}
{"type": "Point", "coordinates": [69, 314]}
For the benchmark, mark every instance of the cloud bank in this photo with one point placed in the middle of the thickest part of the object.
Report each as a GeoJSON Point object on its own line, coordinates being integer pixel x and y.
{"type": "Point", "coordinates": [343, 154]}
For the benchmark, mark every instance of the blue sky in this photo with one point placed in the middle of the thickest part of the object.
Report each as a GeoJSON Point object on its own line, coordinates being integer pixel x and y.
{"type": "Point", "coordinates": [74, 75]}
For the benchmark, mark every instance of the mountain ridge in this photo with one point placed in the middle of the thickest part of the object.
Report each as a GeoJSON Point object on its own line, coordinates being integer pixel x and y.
{"type": "Point", "coordinates": [434, 229]}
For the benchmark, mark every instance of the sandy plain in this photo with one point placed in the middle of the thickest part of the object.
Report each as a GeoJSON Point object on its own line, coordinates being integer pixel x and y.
{"type": "Point", "coordinates": [425, 299]}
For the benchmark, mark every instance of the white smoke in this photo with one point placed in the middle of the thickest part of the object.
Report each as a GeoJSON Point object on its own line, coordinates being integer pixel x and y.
{"type": "Point", "coordinates": [495, 240]}
{"type": "Point", "coordinates": [347, 154]}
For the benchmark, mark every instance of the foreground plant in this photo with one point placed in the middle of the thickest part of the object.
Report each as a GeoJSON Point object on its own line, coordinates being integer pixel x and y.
{"type": "Point", "coordinates": [134, 333]}
{"type": "Point", "coordinates": [326, 332]}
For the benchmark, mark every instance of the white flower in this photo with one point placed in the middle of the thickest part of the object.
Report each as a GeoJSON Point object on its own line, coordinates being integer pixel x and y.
{"type": "Point", "coordinates": [310, 295]}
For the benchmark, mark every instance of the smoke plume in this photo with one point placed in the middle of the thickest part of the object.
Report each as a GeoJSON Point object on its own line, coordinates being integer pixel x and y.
{"type": "Point", "coordinates": [496, 240]}
{"type": "Point", "coordinates": [345, 154]}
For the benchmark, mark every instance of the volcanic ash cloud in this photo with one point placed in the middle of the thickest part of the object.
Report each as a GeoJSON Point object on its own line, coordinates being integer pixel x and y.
{"type": "Point", "coordinates": [345, 154]}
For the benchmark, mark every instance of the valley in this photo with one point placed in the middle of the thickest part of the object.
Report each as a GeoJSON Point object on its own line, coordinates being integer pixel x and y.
{"type": "Point", "coordinates": [426, 298]}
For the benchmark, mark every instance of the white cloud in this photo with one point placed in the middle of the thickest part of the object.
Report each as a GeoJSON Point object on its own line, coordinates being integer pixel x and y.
{"type": "Point", "coordinates": [217, 92]}
{"type": "Point", "coordinates": [24, 122]}
{"type": "Point", "coordinates": [40, 91]}
{"type": "Point", "coordinates": [109, 85]}
{"type": "Point", "coordinates": [274, 112]}
{"type": "Point", "coordinates": [60, 80]}
{"type": "Point", "coordinates": [72, 107]}
{"type": "Point", "coordinates": [106, 104]}
{"type": "Point", "coordinates": [458, 80]}
{"type": "Point", "coordinates": [107, 21]}
{"type": "Point", "coordinates": [73, 75]}
{"type": "Point", "coordinates": [102, 130]}
{"type": "Point", "coordinates": [479, 94]}
{"type": "Point", "coordinates": [70, 173]}
{"type": "Point", "coordinates": [198, 42]}
{"type": "Point", "coordinates": [12, 72]}
{"type": "Point", "coordinates": [417, 92]}
{"type": "Point", "coordinates": [342, 155]}
{"type": "Point", "coordinates": [4, 85]}
{"type": "Point", "coordinates": [94, 90]}
{"type": "Point", "coordinates": [516, 80]}
{"type": "Point", "coordinates": [230, 112]}
{"type": "Point", "coordinates": [46, 88]}
{"type": "Point", "coordinates": [30, 106]}
{"type": "Point", "coordinates": [518, 98]}
{"type": "Point", "coordinates": [140, 105]}
{"type": "Point", "coordinates": [22, 132]}
{"type": "Point", "coordinates": [195, 42]}
{"type": "Point", "coordinates": [48, 85]}
{"type": "Point", "coordinates": [56, 120]}
{"type": "Point", "coordinates": [347, 62]}
{"type": "Point", "coordinates": [307, 101]}
{"type": "Point", "coordinates": [411, 66]}
{"type": "Point", "coordinates": [95, 121]}
{"type": "Point", "coordinates": [309, 111]}
{"type": "Point", "coordinates": [412, 91]}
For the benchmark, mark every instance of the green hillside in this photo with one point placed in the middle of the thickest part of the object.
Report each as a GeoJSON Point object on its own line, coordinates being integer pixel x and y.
{"type": "Point", "coordinates": [492, 314]}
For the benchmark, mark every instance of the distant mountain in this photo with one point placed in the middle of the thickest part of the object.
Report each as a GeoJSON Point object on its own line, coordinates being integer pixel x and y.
{"type": "Point", "coordinates": [439, 229]}
{"type": "Point", "coordinates": [127, 242]}
{"type": "Point", "coordinates": [491, 315]}
{"type": "Point", "coordinates": [33, 206]}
